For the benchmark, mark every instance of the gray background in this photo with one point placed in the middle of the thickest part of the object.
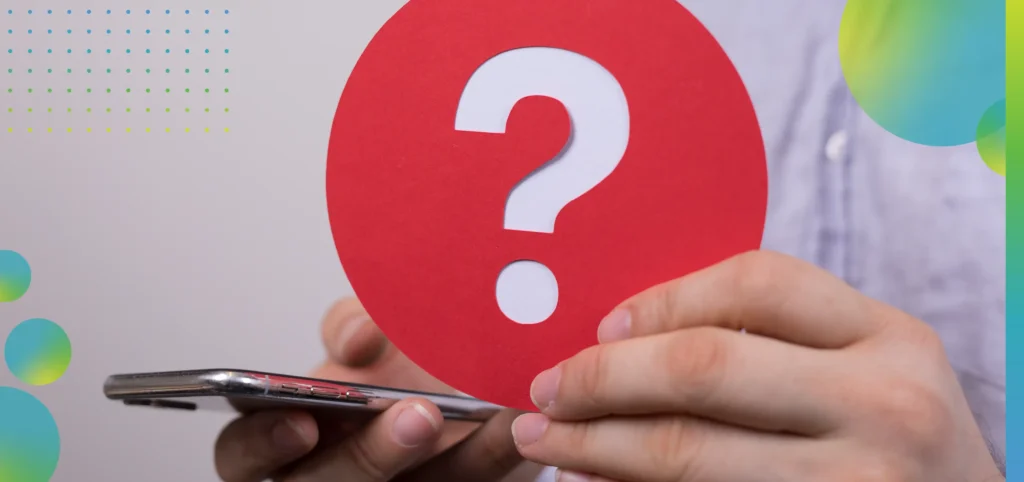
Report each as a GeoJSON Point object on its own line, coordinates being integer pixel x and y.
{"type": "Point", "coordinates": [163, 251]}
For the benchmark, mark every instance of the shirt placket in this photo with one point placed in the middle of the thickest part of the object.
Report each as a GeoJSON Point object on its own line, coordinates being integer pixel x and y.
{"type": "Point", "coordinates": [834, 163]}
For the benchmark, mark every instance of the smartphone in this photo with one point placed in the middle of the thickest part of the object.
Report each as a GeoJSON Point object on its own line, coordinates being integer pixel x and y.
{"type": "Point", "coordinates": [246, 391]}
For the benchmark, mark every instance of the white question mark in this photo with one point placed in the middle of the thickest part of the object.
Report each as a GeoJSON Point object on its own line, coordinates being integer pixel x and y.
{"type": "Point", "coordinates": [527, 291]}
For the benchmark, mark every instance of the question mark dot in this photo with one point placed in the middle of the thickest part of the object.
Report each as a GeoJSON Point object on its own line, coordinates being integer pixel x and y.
{"type": "Point", "coordinates": [527, 292]}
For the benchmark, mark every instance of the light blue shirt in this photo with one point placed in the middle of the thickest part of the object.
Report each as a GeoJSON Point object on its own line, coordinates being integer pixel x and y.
{"type": "Point", "coordinates": [920, 228]}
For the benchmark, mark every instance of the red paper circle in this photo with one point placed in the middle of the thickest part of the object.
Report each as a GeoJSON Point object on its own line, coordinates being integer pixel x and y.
{"type": "Point", "coordinates": [416, 207]}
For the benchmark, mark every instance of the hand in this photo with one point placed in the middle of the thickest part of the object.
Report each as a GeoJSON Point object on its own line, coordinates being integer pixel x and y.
{"type": "Point", "coordinates": [410, 441]}
{"type": "Point", "coordinates": [825, 384]}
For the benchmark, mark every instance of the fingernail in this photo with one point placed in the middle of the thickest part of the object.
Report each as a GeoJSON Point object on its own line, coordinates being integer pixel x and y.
{"type": "Point", "coordinates": [567, 476]}
{"type": "Point", "coordinates": [288, 435]}
{"type": "Point", "coordinates": [545, 388]}
{"type": "Point", "coordinates": [615, 326]}
{"type": "Point", "coordinates": [348, 331]}
{"type": "Point", "coordinates": [528, 428]}
{"type": "Point", "coordinates": [414, 426]}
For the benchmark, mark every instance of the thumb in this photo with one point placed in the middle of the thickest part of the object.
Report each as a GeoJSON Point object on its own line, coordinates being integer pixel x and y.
{"type": "Point", "coordinates": [350, 336]}
{"type": "Point", "coordinates": [395, 440]}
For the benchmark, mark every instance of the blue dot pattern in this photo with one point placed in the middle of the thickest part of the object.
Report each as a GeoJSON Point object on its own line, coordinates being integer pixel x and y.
{"type": "Point", "coordinates": [44, 85]}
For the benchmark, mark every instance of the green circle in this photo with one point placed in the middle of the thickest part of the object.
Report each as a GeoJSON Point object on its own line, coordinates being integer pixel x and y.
{"type": "Point", "coordinates": [15, 273]}
{"type": "Point", "coordinates": [38, 352]}
{"type": "Point", "coordinates": [991, 137]}
{"type": "Point", "coordinates": [29, 436]}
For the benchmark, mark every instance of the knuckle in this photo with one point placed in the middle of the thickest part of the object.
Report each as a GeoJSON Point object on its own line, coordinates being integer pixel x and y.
{"type": "Point", "coordinates": [675, 446]}
{"type": "Point", "coordinates": [753, 271]}
{"type": "Point", "coordinates": [698, 361]}
{"type": "Point", "coordinates": [578, 438]}
{"type": "Point", "coordinates": [755, 276]}
{"type": "Point", "coordinates": [756, 273]}
{"type": "Point", "coordinates": [925, 340]}
{"type": "Point", "coordinates": [664, 308]}
{"type": "Point", "coordinates": [915, 415]}
{"type": "Point", "coordinates": [590, 371]}
{"type": "Point", "coordinates": [874, 468]}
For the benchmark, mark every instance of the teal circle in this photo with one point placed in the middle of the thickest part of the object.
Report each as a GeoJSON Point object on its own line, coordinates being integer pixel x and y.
{"type": "Point", "coordinates": [38, 351]}
{"type": "Point", "coordinates": [29, 439]}
{"type": "Point", "coordinates": [15, 277]}
{"type": "Point", "coordinates": [925, 70]}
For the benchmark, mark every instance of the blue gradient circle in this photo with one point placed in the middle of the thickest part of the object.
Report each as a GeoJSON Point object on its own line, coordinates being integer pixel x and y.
{"type": "Point", "coordinates": [15, 276]}
{"type": "Point", "coordinates": [29, 439]}
{"type": "Point", "coordinates": [38, 351]}
{"type": "Point", "coordinates": [925, 70]}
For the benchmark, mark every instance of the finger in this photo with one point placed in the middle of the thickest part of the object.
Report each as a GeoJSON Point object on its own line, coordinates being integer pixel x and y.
{"type": "Point", "coordinates": [350, 336]}
{"type": "Point", "coordinates": [360, 353]}
{"type": "Point", "coordinates": [713, 373]}
{"type": "Point", "coordinates": [251, 448]}
{"type": "Point", "coordinates": [760, 292]}
{"type": "Point", "coordinates": [489, 453]}
{"type": "Point", "coordinates": [393, 441]}
{"type": "Point", "coordinates": [661, 449]}
{"type": "Point", "coordinates": [570, 476]}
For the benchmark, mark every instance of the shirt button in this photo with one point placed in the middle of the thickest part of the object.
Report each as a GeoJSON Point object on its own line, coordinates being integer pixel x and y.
{"type": "Point", "coordinates": [835, 147]}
